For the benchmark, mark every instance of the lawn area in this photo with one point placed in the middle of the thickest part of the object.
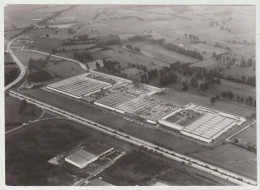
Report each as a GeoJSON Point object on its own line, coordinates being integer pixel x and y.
{"type": "Point", "coordinates": [233, 158]}
{"type": "Point", "coordinates": [14, 118]}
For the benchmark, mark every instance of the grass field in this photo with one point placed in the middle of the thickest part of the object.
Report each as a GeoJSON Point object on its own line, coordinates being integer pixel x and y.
{"type": "Point", "coordinates": [45, 44]}
{"type": "Point", "coordinates": [127, 56]}
{"type": "Point", "coordinates": [158, 52]}
{"type": "Point", "coordinates": [247, 137]}
{"type": "Point", "coordinates": [13, 118]}
{"type": "Point", "coordinates": [183, 98]}
{"type": "Point", "coordinates": [29, 149]}
{"type": "Point", "coordinates": [139, 168]}
{"type": "Point", "coordinates": [22, 15]}
{"type": "Point", "coordinates": [233, 158]}
{"type": "Point", "coordinates": [59, 70]}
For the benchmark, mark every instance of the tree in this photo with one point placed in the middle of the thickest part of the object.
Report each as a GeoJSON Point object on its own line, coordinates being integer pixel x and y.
{"type": "Point", "coordinates": [250, 100]}
{"type": "Point", "coordinates": [185, 87]}
{"type": "Point", "coordinates": [212, 100]}
{"type": "Point", "coordinates": [97, 66]}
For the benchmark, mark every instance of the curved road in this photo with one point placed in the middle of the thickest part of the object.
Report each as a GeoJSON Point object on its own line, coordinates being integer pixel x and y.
{"type": "Point", "coordinates": [18, 62]}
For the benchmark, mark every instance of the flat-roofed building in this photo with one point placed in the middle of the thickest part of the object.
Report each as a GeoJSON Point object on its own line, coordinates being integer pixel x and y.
{"type": "Point", "coordinates": [81, 158]}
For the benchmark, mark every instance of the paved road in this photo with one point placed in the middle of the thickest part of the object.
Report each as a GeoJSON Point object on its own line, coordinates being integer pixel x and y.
{"type": "Point", "coordinates": [18, 62]}
{"type": "Point", "coordinates": [192, 162]}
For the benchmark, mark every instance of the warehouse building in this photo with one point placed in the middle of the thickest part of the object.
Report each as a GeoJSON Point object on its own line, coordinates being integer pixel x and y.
{"type": "Point", "coordinates": [81, 158]}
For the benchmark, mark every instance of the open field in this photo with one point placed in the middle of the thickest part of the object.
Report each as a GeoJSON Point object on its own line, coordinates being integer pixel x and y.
{"type": "Point", "coordinates": [159, 52]}
{"type": "Point", "coordinates": [233, 158]}
{"type": "Point", "coordinates": [15, 118]}
{"type": "Point", "coordinates": [45, 44]}
{"type": "Point", "coordinates": [127, 56]}
{"type": "Point", "coordinates": [139, 168]}
{"type": "Point", "coordinates": [22, 16]}
{"type": "Point", "coordinates": [238, 72]}
{"type": "Point", "coordinates": [242, 90]}
{"type": "Point", "coordinates": [59, 69]}
{"type": "Point", "coordinates": [183, 98]}
{"type": "Point", "coordinates": [247, 137]}
{"type": "Point", "coordinates": [28, 151]}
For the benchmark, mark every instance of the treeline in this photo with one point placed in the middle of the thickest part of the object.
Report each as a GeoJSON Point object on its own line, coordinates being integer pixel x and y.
{"type": "Point", "coordinates": [244, 100]}
{"type": "Point", "coordinates": [184, 51]}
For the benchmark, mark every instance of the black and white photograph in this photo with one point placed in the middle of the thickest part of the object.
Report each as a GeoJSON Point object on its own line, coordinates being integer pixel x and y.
{"type": "Point", "coordinates": [129, 94]}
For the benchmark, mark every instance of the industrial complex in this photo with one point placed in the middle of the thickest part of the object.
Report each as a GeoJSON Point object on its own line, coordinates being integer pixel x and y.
{"type": "Point", "coordinates": [124, 97]}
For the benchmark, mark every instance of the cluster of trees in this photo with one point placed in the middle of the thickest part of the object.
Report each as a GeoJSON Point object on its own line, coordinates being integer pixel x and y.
{"type": "Point", "coordinates": [36, 63]}
{"type": "Point", "coordinates": [184, 51]}
{"type": "Point", "coordinates": [82, 56]}
{"type": "Point", "coordinates": [169, 78]}
{"type": "Point", "coordinates": [221, 46]}
{"type": "Point", "coordinates": [142, 67]}
{"type": "Point", "coordinates": [213, 99]}
{"type": "Point", "coordinates": [11, 76]}
{"type": "Point", "coordinates": [225, 28]}
{"type": "Point", "coordinates": [228, 95]}
{"type": "Point", "coordinates": [152, 74]}
{"type": "Point", "coordinates": [79, 40]}
{"type": "Point", "coordinates": [39, 74]}
{"type": "Point", "coordinates": [136, 49]}
{"type": "Point", "coordinates": [248, 63]}
{"type": "Point", "coordinates": [191, 37]}
{"type": "Point", "coordinates": [112, 66]}
{"type": "Point", "coordinates": [108, 40]}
